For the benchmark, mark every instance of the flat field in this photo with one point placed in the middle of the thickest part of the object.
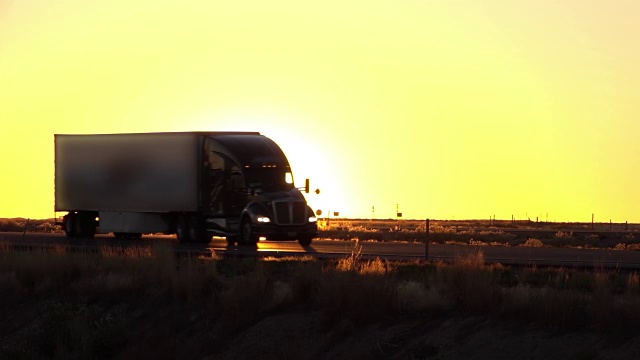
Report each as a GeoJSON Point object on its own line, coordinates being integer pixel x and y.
{"type": "Point", "coordinates": [484, 232]}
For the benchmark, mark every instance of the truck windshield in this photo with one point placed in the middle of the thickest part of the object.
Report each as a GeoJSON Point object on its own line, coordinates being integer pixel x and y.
{"type": "Point", "coordinates": [270, 179]}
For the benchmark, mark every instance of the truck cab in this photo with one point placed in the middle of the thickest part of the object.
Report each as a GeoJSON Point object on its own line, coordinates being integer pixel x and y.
{"type": "Point", "coordinates": [250, 194]}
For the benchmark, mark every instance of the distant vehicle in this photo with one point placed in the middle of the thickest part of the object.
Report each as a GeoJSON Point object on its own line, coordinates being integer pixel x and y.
{"type": "Point", "coordinates": [194, 184]}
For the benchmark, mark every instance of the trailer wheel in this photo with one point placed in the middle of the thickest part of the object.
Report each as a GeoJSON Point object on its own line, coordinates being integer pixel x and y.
{"type": "Point", "coordinates": [305, 240]}
{"type": "Point", "coordinates": [85, 224]}
{"type": "Point", "coordinates": [70, 228]}
{"type": "Point", "coordinates": [247, 237]}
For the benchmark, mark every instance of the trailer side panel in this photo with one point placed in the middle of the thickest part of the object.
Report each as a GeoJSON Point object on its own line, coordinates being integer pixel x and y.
{"type": "Point", "coordinates": [155, 172]}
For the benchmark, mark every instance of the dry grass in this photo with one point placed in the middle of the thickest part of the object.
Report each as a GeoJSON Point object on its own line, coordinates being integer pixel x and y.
{"type": "Point", "coordinates": [96, 305]}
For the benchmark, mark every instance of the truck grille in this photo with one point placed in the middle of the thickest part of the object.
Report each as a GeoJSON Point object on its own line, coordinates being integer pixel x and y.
{"type": "Point", "coordinates": [290, 212]}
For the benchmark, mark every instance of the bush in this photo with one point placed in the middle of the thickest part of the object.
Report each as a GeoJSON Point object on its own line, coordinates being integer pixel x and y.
{"type": "Point", "coordinates": [531, 242]}
{"type": "Point", "coordinates": [12, 225]}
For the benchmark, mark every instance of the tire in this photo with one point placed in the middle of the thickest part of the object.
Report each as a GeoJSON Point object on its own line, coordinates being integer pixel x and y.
{"type": "Point", "coordinates": [85, 225]}
{"type": "Point", "coordinates": [197, 230]}
{"type": "Point", "coordinates": [305, 241]}
{"type": "Point", "coordinates": [70, 227]}
{"type": "Point", "coordinates": [191, 229]}
{"type": "Point", "coordinates": [182, 229]}
{"type": "Point", "coordinates": [247, 237]}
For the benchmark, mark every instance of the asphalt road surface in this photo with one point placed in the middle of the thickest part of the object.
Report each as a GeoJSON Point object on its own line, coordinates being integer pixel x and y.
{"type": "Point", "coordinates": [523, 256]}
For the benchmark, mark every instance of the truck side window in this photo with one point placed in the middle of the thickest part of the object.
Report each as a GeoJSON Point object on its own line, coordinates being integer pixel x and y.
{"type": "Point", "coordinates": [237, 179]}
{"type": "Point", "coordinates": [217, 182]}
{"type": "Point", "coordinates": [216, 162]}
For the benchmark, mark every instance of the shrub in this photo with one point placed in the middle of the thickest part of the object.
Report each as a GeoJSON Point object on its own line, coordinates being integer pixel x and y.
{"type": "Point", "coordinates": [532, 242]}
{"type": "Point", "coordinates": [564, 235]}
{"type": "Point", "coordinates": [412, 296]}
{"type": "Point", "coordinates": [11, 225]}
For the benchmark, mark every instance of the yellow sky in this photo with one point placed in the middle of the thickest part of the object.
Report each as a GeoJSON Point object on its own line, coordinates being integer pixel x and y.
{"type": "Point", "coordinates": [451, 109]}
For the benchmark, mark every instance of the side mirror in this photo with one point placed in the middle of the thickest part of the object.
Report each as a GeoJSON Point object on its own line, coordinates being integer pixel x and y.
{"type": "Point", "coordinates": [307, 188]}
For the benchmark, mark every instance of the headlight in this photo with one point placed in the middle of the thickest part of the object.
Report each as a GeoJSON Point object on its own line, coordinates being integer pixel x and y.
{"type": "Point", "coordinates": [263, 219]}
{"type": "Point", "coordinates": [313, 219]}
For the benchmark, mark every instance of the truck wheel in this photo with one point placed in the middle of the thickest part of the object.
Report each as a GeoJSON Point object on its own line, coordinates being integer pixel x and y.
{"type": "Point", "coordinates": [70, 228]}
{"type": "Point", "coordinates": [182, 229]}
{"type": "Point", "coordinates": [247, 237]}
{"type": "Point", "coordinates": [197, 230]}
{"type": "Point", "coordinates": [305, 241]}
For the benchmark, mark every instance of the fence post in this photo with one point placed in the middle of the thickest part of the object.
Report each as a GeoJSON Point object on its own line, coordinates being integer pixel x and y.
{"type": "Point", "coordinates": [25, 228]}
{"type": "Point", "coordinates": [426, 247]}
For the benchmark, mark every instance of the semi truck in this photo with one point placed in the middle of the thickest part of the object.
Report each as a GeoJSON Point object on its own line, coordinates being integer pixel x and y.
{"type": "Point", "coordinates": [237, 185]}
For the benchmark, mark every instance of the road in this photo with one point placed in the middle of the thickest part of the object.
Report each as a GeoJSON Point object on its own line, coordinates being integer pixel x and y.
{"type": "Point", "coordinates": [522, 256]}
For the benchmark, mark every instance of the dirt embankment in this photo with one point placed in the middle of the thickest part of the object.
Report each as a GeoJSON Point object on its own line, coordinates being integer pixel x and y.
{"type": "Point", "coordinates": [304, 336]}
{"type": "Point", "coordinates": [147, 303]}
{"type": "Point", "coordinates": [54, 329]}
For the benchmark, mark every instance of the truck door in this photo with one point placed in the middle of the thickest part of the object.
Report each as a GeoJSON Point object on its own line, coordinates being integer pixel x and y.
{"type": "Point", "coordinates": [214, 185]}
{"type": "Point", "coordinates": [225, 192]}
{"type": "Point", "coordinates": [236, 191]}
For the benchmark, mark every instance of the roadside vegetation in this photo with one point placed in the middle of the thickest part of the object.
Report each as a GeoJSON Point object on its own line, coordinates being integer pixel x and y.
{"type": "Point", "coordinates": [487, 233]}
{"type": "Point", "coordinates": [461, 232]}
{"type": "Point", "coordinates": [146, 302]}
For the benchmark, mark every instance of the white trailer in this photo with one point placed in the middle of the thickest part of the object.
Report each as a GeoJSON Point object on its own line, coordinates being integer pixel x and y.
{"type": "Point", "coordinates": [195, 184]}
